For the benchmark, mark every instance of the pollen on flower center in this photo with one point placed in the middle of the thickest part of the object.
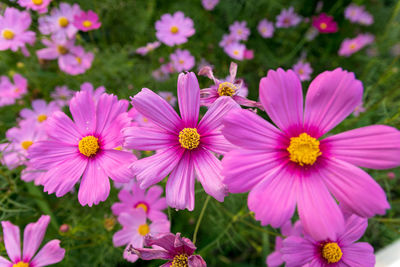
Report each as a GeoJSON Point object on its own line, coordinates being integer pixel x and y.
{"type": "Point", "coordinates": [41, 118]}
{"type": "Point", "coordinates": [226, 89]}
{"type": "Point", "coordinates": [174, 30]}
{"type": "Point", "coordinates": [62, 49]}
{"type": "Point", "coordinates": [143, 229]}
{"type": "Point", "coordinates": [142, 206]}
{"type": "Point", "coordinates": [331, 252]}
{"type": "Point", "coordinates": [63, 22]}
{"type": "Point", "coordinates": [236, 52]}
{"type": "Point", "coordinates": [37, 2]}
{"type": "Point", "coordinates": [323, 25]}
{"type": "Point", "coordinates": [78, 59]}
{"type": "Point", "coordinates": [189, 138]}
{"type": "Point", "coordinates": [353, 46]}
{"type": "Point", "coordinates": [26, 144]}
{"type": "Point", "coordinates": [89, 145]}
{"type": "Point", "coordinates": [304, 149]}
{"type": "Point", "coordinates": [87, 23]}
{"type": "Point", "coordinates": [180, 260]}
{"type": "Point", "coordinates": [21, 264]}
{"type": "Point", "coordinates": [8, 34]}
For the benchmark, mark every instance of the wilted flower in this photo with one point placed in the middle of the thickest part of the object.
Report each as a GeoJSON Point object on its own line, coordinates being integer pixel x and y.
{"type": "Point", "coordinates": [174, 29]}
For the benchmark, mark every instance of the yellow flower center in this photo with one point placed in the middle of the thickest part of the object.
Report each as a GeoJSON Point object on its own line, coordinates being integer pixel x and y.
{"type": "Point", "coordinates": [189, 138]}
{"type": "Point", "coordinates": [180, 260]}
{"type": "Point", "coordinates": [41, 118]}
{"type": "Point", "coordinates": [142, 206]}
{"type": "Point", "coordinates": [89, 145]}
{"type": "Point", "coordinates": [87, 23]}
{"type": "Point", "coordinates": [26, 144]}
{"type": "Point", "coordinates": [174, 30]}
{"type": "Point", "coordinates": [143, 229]}
{"type": "Point", "coordinates": [236, 52]}
{"type": "Point", "coordinates": [331, 252]}
{"type": "Point", "coordinates": [78, 59]}
{"type": "Point", "coordinates": [323, 25]}
{"type": "Point", "coordinates": [226, 89]}
{"type": "Point", "coordinates": [37, 2]}
{"type": "Point", "coordinates": [21, 264]}
{"type": "Point", "coordinates": [8, 34]}
{"type": "Point", "coordinates": [304, 149]}
{"type": "Point", "coordinates": [63, 22]}
{"type": "Point", "coordinates": [118, 148]}
{"type": "Point", "coordinates": [62, 49]}
{"type": "Point", "coordinates": [353, 46]}
{"type": "Point", "coordinates": [264, 29]}
{"type": "Point", "coordinates": [240, 32]}
{"type": "Point", "coordinates": [301, 71]}
{"type": "Point", "coordinates": [17, 90]}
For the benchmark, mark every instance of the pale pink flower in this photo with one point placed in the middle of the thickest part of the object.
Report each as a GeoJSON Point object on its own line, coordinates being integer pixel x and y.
{"type": "Point", "coordinates": [227, 39]}
{"type": "Point", "coordinates": [235, 50]}
{"type": "Point", "coordinates": [62, 95]}
{"type": "Point", "coordinates": [209, 4]}
{"type": "Point", "coordinates": [303, 70]}
{"type": "Point", "coordinates": [77, 61]}
{"type": "Point", "coordinates": [174, 29]}
{"type": "Point", "coordinates": [38, 5]}
{"type": "Point", "coordinates": [148, 48]}
{"type": "Point", "coordinates": [266, 28]}
{"type": "Point", "coordinates": [182, 60]}
{"type": "Point", "coordinates": [169, 97]}
{"type": "Point", "coordinates": [239, 31]}
{"type": "Point", "coordinates": [358, 14]}
{"type": "Point", "coordinates": [287, 18]}
{"type": "Point", "coordinates": [40, 111]}
{"type": "Point", "coordinates": [9, 92]}
{"type": "Point", "coordinates": [350, 46]}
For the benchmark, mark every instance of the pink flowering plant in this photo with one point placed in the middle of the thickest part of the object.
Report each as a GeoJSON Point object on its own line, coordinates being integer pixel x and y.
{"type": "Point", "coordinates": [269, 135]}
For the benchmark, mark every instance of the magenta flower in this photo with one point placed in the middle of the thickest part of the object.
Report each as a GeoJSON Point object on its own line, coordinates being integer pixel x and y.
{"type": "Point", "coordinates": [182, 60]}
{"type": "Point", "coordinates": [341, 250]}
{"type": "Point", "coordinates": [358, 14]}
{"type": "Point", "coordinates": [134, 230]}
{"type": "Point", "coordinates": [174, 29]}
{"type": "Point", "coordinates": [77, 61]}
{"type": "Point", "coordinates": [184, 145]}
{"type": "Point", "coordinates": [266, 28]}
{"type": "Point", "coordinates": [13, 29]}
{"type": "Point", "coordinates": [325, 23]}
{"type": "Point", "coordinates": [85, 147]}
{"type": "Point", "coordinates": [235, 50]}
{"type": "Point", "coordinates": [40, 111]}
{"type": "Point", "coordinates": [60, 22]}
{"type": "Point", "coordinates": [148, 48]}
{"type": "Point", "coordinates": [87, 21]}
{"type": "Point", "coordinates": [50, 253]}
{"type": "Point", "coordinates": [303, 70]}
{"type": "Point", "coordinates": [38, 5]}
{"type": "Point", "coordinates": [350, 46]}
{"type": "Point", "coordinates": [150, 202]}
{"type": "Point", "coordinates": [62, 95]}
{"type": "Point", "coordinates": [169, 97]}
{"type": "Point", "coordinates": [239, 31]}
{"type": "Point", "coordinates": [9, 92]}
{"type": "Point", "coordinates": [287, 18]}
{"type": "Point", "coordinates": [177, 250]}
{"type": "Point", "coordinates": [231, 87]}
{"type": "Point", "coordinates": [291, 164]}
{"type": "Point", "coordinates": [209, 4]}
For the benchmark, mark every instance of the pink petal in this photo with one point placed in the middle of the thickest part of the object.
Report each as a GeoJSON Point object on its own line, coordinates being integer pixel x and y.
{"type": "Point", "coordinates": [60, 127]}
{"type": "Point", "coordinates": [189, 98]}
{"type": "Point", "coordinates": [12, 241]}
{"type": "Point", "coordinates": [319, 213]}
{"type": "Point", "coordinates": [156, 109]}
{"type": "Point", "coordinates": [196, 261]}
{"type": "Point", "coordinates": [153, 254]}
{"type": "Point", "coordinates": [359, 254]}
{"type": "Point", "coordinates": [331, 97]}
{"type": "Point", "coordinates": [274, 199]}
{"type": "Point", "coordinates": [146, 138]}
{"type": "Point", "coordinates": [180, 185]}
{"type": "Point", "coordinates": [216, 143]}
{"type": "Point", "coordinates": [83, 111]}
{"type": "Point", "coordinates": [153, 169]}
{"type": "Point", "coordinates": [108, 109]}
{"type": "Point", "coordinates": [115, 164]}
{"type": "Point", "coordinates": [154, 193]}
{"type": "Point", "coordinates": [95, 185]}
{"type": "Point", "coordinates": [376, 146]}
{"type": "Point", "coordinates": [208, 170]}
{"type": "Point", "coordinates": [248, 130]}
{"type": "Point", "coordinates": [282, 98]}
{"type": "Point", "coordinates": [45, 154]}
{"type": "Point", "coordinates": [354, 229]}
{"type": "Point", "coordinates": [274, 259]}
{"type": "Point", "coordinates": [51, 253]}
{"type": "Point", "coordinates": [4, 262]}
{"type": "Point", "coordinates": [33, 236]}
{"type": "Point", "coordinates": [297, 251]}
{"type": "Point", "coordinates": [354, 188]}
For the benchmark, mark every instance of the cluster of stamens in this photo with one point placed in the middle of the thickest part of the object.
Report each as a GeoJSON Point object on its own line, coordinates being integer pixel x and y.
{"type": "Point", "coordinates": [304, 149]}
{"type": "Point", "coordinates": [174, 30]}
{"type": "Point", "coordinates": [144, 229]}
{"type": "Point", "coordinates": [226, 89]}
{"type": "Point", "coordinates": [21, 264]}
{"type": "Point", "coordinates": [331, 252]}
{"type": "Point", "coordinates": [63, 22]}
{"type": "Point", "coordinates": [89, 146]}
{"type": "Point", "coordinates": [87, 23]}
{"type": "Point", "coordinates": [62, 49]}
{"type": "Point", "coordinates": [26, 144]}
{"type": "Point", "coordinates": [37, 2]}
{"type": "Point", "coordinates": [41, 118]}
{"type": "Point", "coordinates": [8, 34]}
{"type": "Point", "coordinates": [189, 138]}
{"type": "Point", "coordinates": [180, 260]}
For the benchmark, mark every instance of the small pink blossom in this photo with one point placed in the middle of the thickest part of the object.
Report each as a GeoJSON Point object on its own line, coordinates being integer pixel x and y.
{"type": "Point", "coordinates": [77, 61]}
{"type": "Point", "coordinates": [169, 97]}
{"type": "Point", "coordinates": [350, 46]}
{"type": "Point", "coordinates": [148, 48]}
{"type": "Point", "coordinates": [40, 111]}
{"type": "Point", "coordinates": [303, 70]}
{"type": "Point", "coordinates": [62, 95]}
{"type": "Point", "coordinates": [266, 28]}
{"type": "Point", "coordinates": [86, 21]}
{"type": "Point", "coordinates": [359, 109]}
{"type": "Point", "coordinates": [235, 50]}
{"type": "Point", "coordinates": [9, 91]}
{"type": "Point", "coordinates": [209, 4]}
{"type": "Point", "coordinates": [182, 60]}
{"type": "Point", "coordinates": [358, 14]}
{"type": "Point", "coordinates": [38, 5]}
{"type": "Point", "coordinates": [227, 39]}
{"type": "Point", "coordinates": [287, 18]}
{"type": "Point", "coordinates": [239, 31]}
{"type": "Point", "coordinates": [174, 29]}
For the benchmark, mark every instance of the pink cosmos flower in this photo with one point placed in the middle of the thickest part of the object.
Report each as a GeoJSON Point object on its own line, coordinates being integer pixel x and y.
{"type": "Point", "coordinates": [87, 21]}
{"type": "Point", "coordinates": [182, 60]}
{"type": "Point", "coordinates": [340, 250]}
{"type": "Point", "coordinates": [174, 29]}
{"type": "Point", "coordinates": [239, 31]}
{"type": "Point", "coordinates": [169, 97]}
{"type": "Point", "coordinates": [235, 50]}
{"type": "Point", "coordinates": [350, 46]}
{"type": "Point", "coordinates": [85, 147]}
{"type": "Point", "coordinates": [13, 30]}
{"type": "Point", "coordinates": [62, 95]}
{"type": "Point", "coordinates": [184, 145]}
{"type": "Point", "coordinates": [50, 253]}
{"type": "Point", "coordinates": [177, 250]}
{"type": "Point", "coordinates": [303, 70]}
{"type": "Point", "coordinates": [209, 4]}
{"type": "Point", "coordinates": [38, 5]}
{"type": "Point", "coordinates": [358, 14]}
{"type": "Point", "coordinates": [148, 48]}
{"type": "Point", "coordinates": [40, 111]}
{"type": "Point", "coordinates": [95, 93]}
{"type": "Point", "coordinates": [287, 18]}
{"type": "Point", "coordinates": [325, 23]}
{"type": "Point", "coordinates": [391, 175]}
{"type": "Point", "coordinates": [9, 92]}
{"type": "Point", "coordinates": [60, 22]}
{"type": "Point", "coordinates": [150, 202]}
{"type": "Point", "coordinates": [134, 231]}
{"type": "Point", "coordinates": [292, 164]}
{"type": "Point", "coordinates": [231, 87]}
{"type": "Point", "coordinates": [227, 39]}
{"type": "Point", "coordinates": [359, 109]}
{"type": "Point", "coordinates": [77, 61]}
{"type": "Point", "coordinates": [266, 28]}
{"type": "Point", "coordinates": [248, 54]}
{"type": "Point", "coordinates": [55, 48]}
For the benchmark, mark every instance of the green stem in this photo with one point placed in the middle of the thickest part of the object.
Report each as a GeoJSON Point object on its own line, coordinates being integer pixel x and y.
{"type": "Point", "coordinates": [196, 229]}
